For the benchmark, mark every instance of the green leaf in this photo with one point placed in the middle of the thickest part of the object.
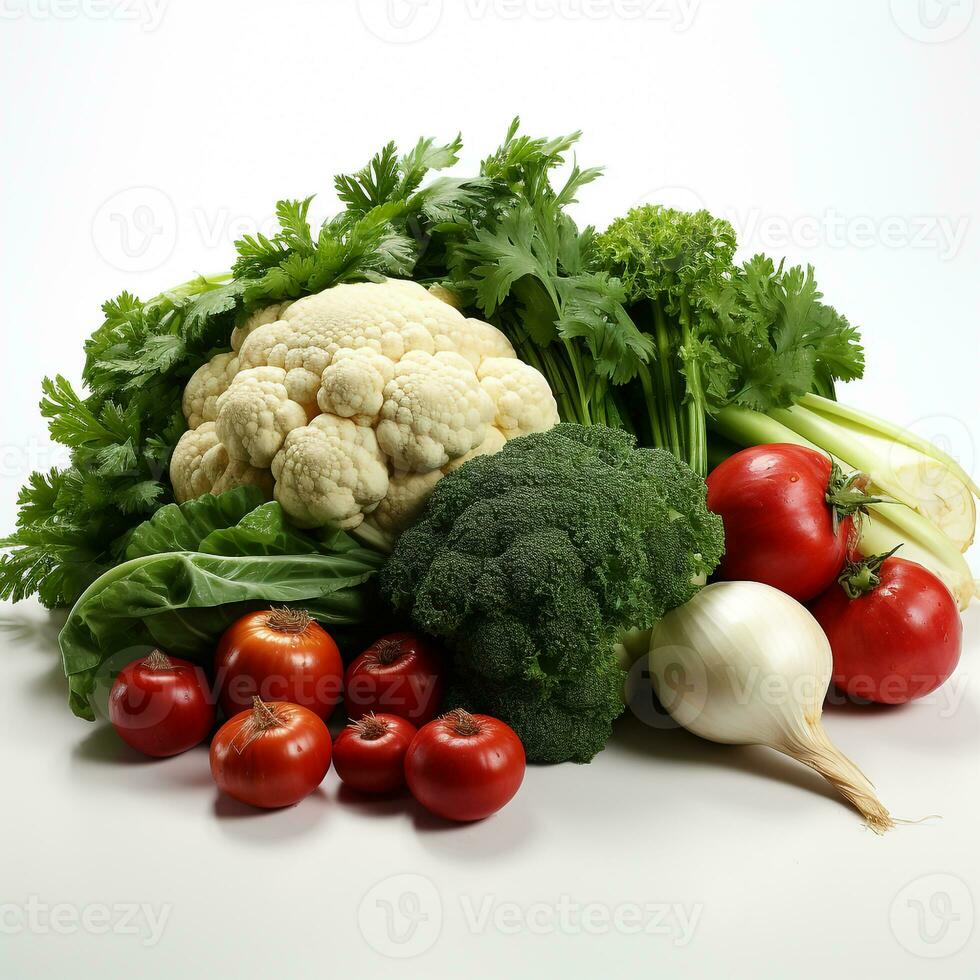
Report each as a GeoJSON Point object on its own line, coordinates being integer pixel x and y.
{"type": "Point", "coordinates": [192, 569]}
{"type": "Point", "coordinates": [204, 307]}
{"type": "Point", "coordinates": [264, 531]}
{"type": "Point", "coordinates": [155, 594]}
{"type": "Point", "coordinates": [371, 185]}
{"type": "Point", "coordinates": [426, 156]}
{"type": "Point", "coordinates": [182, 527]}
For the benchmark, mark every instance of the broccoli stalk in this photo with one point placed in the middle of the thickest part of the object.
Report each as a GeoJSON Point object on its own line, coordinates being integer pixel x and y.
{"type": "Point", "coordinates": [532, 563]}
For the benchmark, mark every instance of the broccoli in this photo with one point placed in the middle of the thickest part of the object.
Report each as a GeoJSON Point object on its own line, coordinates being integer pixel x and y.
{"type": "Point", "coordinates": [531, 563]}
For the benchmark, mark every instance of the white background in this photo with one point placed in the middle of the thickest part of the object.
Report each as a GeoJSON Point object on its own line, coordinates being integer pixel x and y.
{"type": "Point", "coordinates": [837, 133]}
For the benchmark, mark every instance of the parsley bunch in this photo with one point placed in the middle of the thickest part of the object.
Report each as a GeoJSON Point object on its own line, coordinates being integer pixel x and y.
{"type": "Point", "coordinates": [754, 335]}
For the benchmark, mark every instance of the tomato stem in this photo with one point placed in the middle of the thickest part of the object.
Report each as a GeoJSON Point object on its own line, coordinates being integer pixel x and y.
{"type": "Point", "coordinates": [286, 620]}
{"type": "Point", "coordinates": [462, 722]}
{"type": "Point", "coordinates": [370, 727]}
{"type": "Point", "coordinates": [158, 660]}
{"type": "Point", "coordinates": [387, 651]}
{"type": "Point", "coordinates": [263, 716]}
{"type": "Point", "coordinates": [260, 720]}
{"type": "Point", "coordinates": [847, 495]}
{"type": "Point", "coordinates": [861, 577]}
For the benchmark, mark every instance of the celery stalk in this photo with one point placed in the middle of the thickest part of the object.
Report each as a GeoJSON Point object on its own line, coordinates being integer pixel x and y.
{"type": "Point", "coordinates": [890, 523]}
{"type": "Point", "coordinates": [931, 483]}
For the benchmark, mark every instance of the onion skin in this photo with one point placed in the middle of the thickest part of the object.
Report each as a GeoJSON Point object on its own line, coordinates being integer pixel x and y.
{"type": "Point", "coordinates": [744, 664]}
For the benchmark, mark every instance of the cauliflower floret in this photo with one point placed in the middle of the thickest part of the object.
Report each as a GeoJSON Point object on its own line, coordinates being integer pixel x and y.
{"type": "Point", "coordinates": [303, 386]}
{"type": "Point", "coordinates": [408, 492]}
{"type": "Point", "coordinates": [406, 496]}
{"type": "Point", "coordinates": [477, 340]}
{"type": "Point", "coordinates": [494, 442]}
{"type": "Point", "coordinates": [268, 314]}
{"type": "Point", "coordinates": [354, 383]}
{"type": "Point", "coordinates": [189, 476]}
{"type": "Point", "coordinates": [200, 465]}
{"type": "Point", "coordinates": [330, 472]}
{"type": "Point", "coordinates": [208, 383]}
{"type": "Point", "coordinates": [393, 317]}
{"type": "Point", "coordinates": [523, 401]}
{"type": "Point", "coordinates": [256, 414]}
{"type": "Point", "coordinates": [434, 411]}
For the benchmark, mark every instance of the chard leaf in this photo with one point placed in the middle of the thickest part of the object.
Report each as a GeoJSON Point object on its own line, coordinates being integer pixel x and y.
{"type": "Point", "coordinates": [192, 569]}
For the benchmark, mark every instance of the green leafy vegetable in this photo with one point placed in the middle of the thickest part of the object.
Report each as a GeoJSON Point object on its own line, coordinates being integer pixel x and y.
{"type": "Point", "coordinates": [533, 562]}
{"type": "Point", "coordinates": [756, 335]}
{"type": "Point", "coordinates": [193, 569]}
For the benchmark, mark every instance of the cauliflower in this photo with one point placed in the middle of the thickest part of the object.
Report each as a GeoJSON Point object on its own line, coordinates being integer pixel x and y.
{"type": "Point", "coordinates": [523, 400]}
{"type": "Point", "coordinates": [256, 414]}
{"type": "Point", "coordinates": [206, 386]}
{"type": "Point", "coordinates": [354, 402]}
{"type": "Point", "coordinates": [200, 464]}
{"type": "Point", "coordinates": [330, 472]}
{"type": "Point", "coordinates": [434, 411]}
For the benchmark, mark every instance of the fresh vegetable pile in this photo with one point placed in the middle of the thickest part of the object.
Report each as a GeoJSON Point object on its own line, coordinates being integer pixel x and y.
{"type": "Point", "coordinates": [450, 412]}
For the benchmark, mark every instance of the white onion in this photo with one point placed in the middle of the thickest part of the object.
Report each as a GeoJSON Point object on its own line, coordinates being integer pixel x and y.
{"type": "Point", "coordinates": [746, 664]}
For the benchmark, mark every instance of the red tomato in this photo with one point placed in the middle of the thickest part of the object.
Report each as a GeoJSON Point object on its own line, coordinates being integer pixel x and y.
{"type": "Point", "coordinates": [278, 655]}
{"type": "Point", "coordinates": [400, 674]}
{"type": "Point", "coordinates": [465, 767]}
{"type": "Point", "coordinates": [272, 755]}
{"type": "Point", "coordinates": [161, 705]}
{"type": "Point", "coordinates": [780, 525]}
{"type": "Point", "coordinates": [894, 630]}
{"type": "Point", "coordinates": [369, 754]}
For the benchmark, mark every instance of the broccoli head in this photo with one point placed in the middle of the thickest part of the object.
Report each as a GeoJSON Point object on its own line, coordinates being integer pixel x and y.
{"type": "Point", "coordinates": [531, 563]}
